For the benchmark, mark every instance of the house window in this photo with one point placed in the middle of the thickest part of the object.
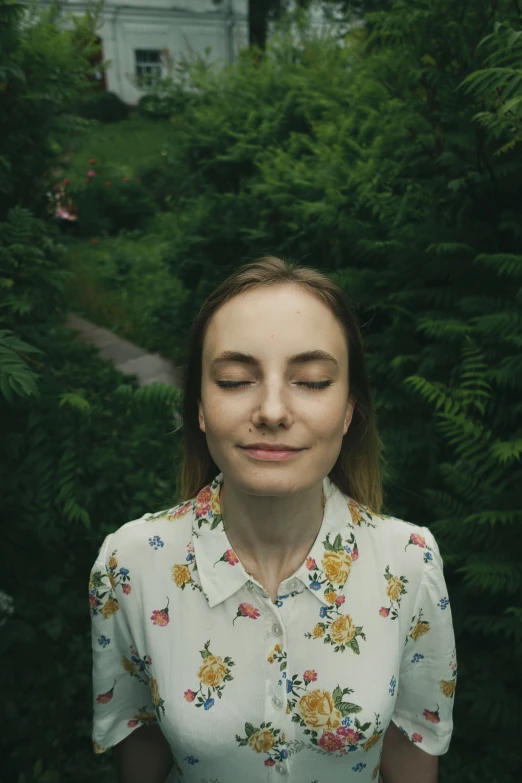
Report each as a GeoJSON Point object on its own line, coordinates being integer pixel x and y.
{"type": "Point", "coordinates": [148, 66]}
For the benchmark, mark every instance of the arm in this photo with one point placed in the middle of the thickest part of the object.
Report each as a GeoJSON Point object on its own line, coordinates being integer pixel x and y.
{"type": "Point", "coordinates": [404, 762]}
{"type": "Point", "coordinates": [144, 756]}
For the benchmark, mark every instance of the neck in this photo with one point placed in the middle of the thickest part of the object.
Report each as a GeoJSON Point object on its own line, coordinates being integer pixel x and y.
{"type": "Point", "coordinates": [271, 535]}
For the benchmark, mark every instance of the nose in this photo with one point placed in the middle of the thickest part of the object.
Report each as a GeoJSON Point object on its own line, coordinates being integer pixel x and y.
{"type": "Point", "coordinates": [272, 405]}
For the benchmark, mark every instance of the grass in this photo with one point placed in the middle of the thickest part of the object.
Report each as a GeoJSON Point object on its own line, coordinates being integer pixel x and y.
{"type": "Point", "coordinates": [120, 149]}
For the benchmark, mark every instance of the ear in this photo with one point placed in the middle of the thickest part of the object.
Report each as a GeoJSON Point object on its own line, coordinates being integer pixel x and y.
{"type": "Point", "coordinates": [349, 414]}
{"type": "Point", "coordinates": [201, 417]}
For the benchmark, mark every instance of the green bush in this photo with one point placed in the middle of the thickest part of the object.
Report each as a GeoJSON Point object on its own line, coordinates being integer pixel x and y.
{"type": "Point", "coordinates": [104, 106]}
{"type": "Point", "coordinates": [107, 206]}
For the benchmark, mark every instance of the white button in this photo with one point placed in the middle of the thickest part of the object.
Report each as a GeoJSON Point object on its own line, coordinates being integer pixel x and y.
{"type": "Point", "coordinates": [276, 629]}
{"type": "Point", "coordinates": [277, 702]}
{"type": "Point", "coordinates": [281, 769]}
{"type": "Point", "coordinates": [292, 585]}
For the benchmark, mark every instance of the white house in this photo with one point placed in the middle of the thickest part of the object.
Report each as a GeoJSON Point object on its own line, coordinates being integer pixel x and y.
{"type": "Point", "coordinates": [134, 34]}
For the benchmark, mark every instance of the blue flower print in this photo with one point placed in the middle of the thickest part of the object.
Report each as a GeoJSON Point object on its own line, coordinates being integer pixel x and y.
{"type": "Point", "coordinates": [443, 603]}
{"type": "Point", "coordinates": [417, 657]}
{"type": "Point", "coordinates": [348, 550]}
{"type": "Point", "coordinates": [284, 754]}
{"type": "Point", "coordinates": [315, 585]}
{"type": "Point", "coordinates": [188, 559]}
{"type": "Point", "coordinates": [156, 542]}
{"type": "Point", "coordinates": [359, 767]}
{"type": "Point", "coordinates": [347, 722]}
{"type": "Point", "coordinates": [427, 556]}
{"type": "Point", "coordinates": [322, 611]}
{"type": "Point", "coordinates": [208, 704]}
{"type": "Point", "coordinates": [280, 682]}
{"type": "Point", "coordinates": [103, 640]}
{"type": "Point", "coordinates": [124, 571]}
{"type": "Point", "coordinates": [191, 760]}
{"type": "Point", "coordinates": [289, 686]}
{"type": "Point", "coordinates": [393, 683]}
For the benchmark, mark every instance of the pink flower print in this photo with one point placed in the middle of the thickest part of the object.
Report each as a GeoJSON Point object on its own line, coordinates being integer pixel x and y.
{"type": "Point", "coordinates": [104, 698]}
{"type": "Point", "coordinates": [355, 554]}
{"type": "Point", "coordinates": [416, 737]}
{"type": "Point", "coordinates": [269, 762]}
{"type": "Point", "coordinates": [340, 600]}
{"type": "Point", "coordinates": [93, 600]}
{"type": "Point", "coordinates": [246, 610]}
{"type": "Point", "coordinates": [384, 612]}
{"type": "Point", "coordinates": [126, 589]}
{"type": "Point", "coordinates": [161, 616]}
{"type": "Point", "coordinates": [432, 715]}
{"type": "Point", "coordinates": [189, 695]}
{"type": "Point", "coordinates": [132, 723]}
{"type": "Point", "coordinates": [91, 173]}
{"type": "Point", "coordinates": [331, 742]}
{"type": "Point", "coordinates": [231, 557]}
{"type": "Point", "coordinates": [419, 540]}
{"type": "Point", "coordinates": [310, 675]}
{"type": "Point", "coordinates": [311, 564]}
{"type": "Point", "coordinates": [350, 735]}
{"type": "Point", "coordinates": [204, 496]}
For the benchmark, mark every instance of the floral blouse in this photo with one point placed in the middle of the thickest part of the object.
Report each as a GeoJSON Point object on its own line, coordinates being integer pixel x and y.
{"type": "Point", "coordinates": [300, 690]}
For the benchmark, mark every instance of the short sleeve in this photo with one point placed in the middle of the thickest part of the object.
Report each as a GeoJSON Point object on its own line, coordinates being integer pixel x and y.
{"type": "Point", "coordinates": [428, 672]}
{"type": "Point", "coordinates": [121, 690]}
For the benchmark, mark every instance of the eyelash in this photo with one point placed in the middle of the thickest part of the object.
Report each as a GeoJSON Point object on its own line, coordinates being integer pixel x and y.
{"type": "Point", "coordinates": [308, 384]}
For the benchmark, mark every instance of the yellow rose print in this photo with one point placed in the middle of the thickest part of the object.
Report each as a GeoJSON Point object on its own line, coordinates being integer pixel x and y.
{"type": "Point", "coordinates": [343, 629]}
{"type": "Point", "coordinates": [213, 674]}
{"type": "Point", "coordinates": [112, 562]}
{"type": "Point", "coordinates": [371, 742]}
{"type": "Point", "coordinates": [111, 607]}
{"type": "Point", "coordinates": [420, 627]}
{"type": "Point", "coordinates": [394, 588]}
{"type": "Point", "coordinates": [262, 741]}
{"type": "Point", "coordinates": [128, 665]}
{"type": "Point", "coordinates": [336, 566]}
{"type": "Point", "coordinates": [181, 575]}
{"type": "Point", "coordinates": [318, 631]}
{"type": "Point", "coordinates": [317, 710]}
{"type": "Point", "coordinates": [448, 687]}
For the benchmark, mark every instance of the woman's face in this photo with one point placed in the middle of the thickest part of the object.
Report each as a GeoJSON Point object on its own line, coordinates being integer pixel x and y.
{"type": "Point", "coordinates": [272, 404]}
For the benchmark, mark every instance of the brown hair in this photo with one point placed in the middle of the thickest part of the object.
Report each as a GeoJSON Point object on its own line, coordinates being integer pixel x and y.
{"type": "Point", "coordinates": [357, 470]}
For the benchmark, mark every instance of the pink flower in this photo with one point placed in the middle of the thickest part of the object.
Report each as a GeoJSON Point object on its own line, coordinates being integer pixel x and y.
{"type": "Point", "coordinates": [91, 173]}
{"type": "Point", "coordinates": [104, 698]}
{"type": "Point", "coordinates": [132, 723]}
{"type": "Point", "coordinates": [432, 716]}
{"type": "Point", "coordinates": [384, 612]}
{"type": "Point", "coordinates": [92, 161]}
{"type": "Point", "coordinates": [331, 742]}
{"type": "Point", "coordinates": [340, 600]}
{"type": "Point", "coordinates": [94, 241]}
{"type": "Point", "coordinates": [126, 589]}
{"type": "Point", "coordinates": [66, 181]}
{"type": "Point", "coordinates": [108, 182]}
{"type": "Point", "coordinates": [310, 563]}
{"type": "Point", "coordinates": [419, 540]}
{"type": "Point", "coordinates": [189, 695]}
{"type": "Point", "coordinates": [247, 610]}
{"type": "Point", "coordinates": [310, 675]}
{"type": "Point", "coordinates": [269, 762]}
{"type": "Point", "coordinates": [231, 557]}
{"type": "Point", "coordinates": [416, 737]}
{"type": "Point", "coordinates": [93, 600]}
{"type": "Point", "coordinates": [159, 617]}
{"type": "Point", "coordinates": [355, 555]}
{"type": "Point", "coordinates": [350, 735]}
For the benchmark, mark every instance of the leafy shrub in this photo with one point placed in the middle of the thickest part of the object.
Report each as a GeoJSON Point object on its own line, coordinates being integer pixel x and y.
{"type": "Point", "coordinates": [107, 206]}
{"type": "Point", "coordinates": [102, 105]}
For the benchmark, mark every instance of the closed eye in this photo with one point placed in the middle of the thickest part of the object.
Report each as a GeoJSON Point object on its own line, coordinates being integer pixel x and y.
{"type": "Point", "coordinates": [308, 384]}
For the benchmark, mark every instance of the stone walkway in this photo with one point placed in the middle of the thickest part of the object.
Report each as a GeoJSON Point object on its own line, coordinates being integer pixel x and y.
{"type": "Point", "coordinates": [128, 358]}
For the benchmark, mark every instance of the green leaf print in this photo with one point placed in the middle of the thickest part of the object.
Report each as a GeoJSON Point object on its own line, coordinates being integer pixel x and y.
{"type": "Point", "coordinates": [338, 543]}
{"type": "Point", "coordinates": [249, 729]}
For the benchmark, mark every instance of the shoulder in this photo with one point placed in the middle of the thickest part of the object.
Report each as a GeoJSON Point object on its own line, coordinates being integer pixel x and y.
{"type": "Point", "coordinates": [153, 531]}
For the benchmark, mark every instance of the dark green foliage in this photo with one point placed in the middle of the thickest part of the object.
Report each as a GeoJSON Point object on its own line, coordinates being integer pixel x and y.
{"type": "Point", "coordinates": [101, 105]}
{"type": "Point", "coordinates": [82, 449]}
{"type": "Point", "coordinates": [107, 206]}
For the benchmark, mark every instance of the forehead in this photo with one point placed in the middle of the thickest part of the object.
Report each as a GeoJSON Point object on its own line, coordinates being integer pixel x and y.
{"type": "Point", "coordinates": [281, 319]}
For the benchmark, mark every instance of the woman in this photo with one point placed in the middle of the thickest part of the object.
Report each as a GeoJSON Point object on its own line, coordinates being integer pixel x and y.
{"type": "Point", "coordinates": [273, 625]}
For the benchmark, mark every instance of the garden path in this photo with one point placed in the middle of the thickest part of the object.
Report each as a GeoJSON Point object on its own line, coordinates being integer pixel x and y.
{"type": "Point", "coordinates": [128, 358]}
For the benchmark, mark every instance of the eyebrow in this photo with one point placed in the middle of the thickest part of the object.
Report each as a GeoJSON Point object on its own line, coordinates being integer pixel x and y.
{"type": "Point", "coordinates": [247, 358]}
